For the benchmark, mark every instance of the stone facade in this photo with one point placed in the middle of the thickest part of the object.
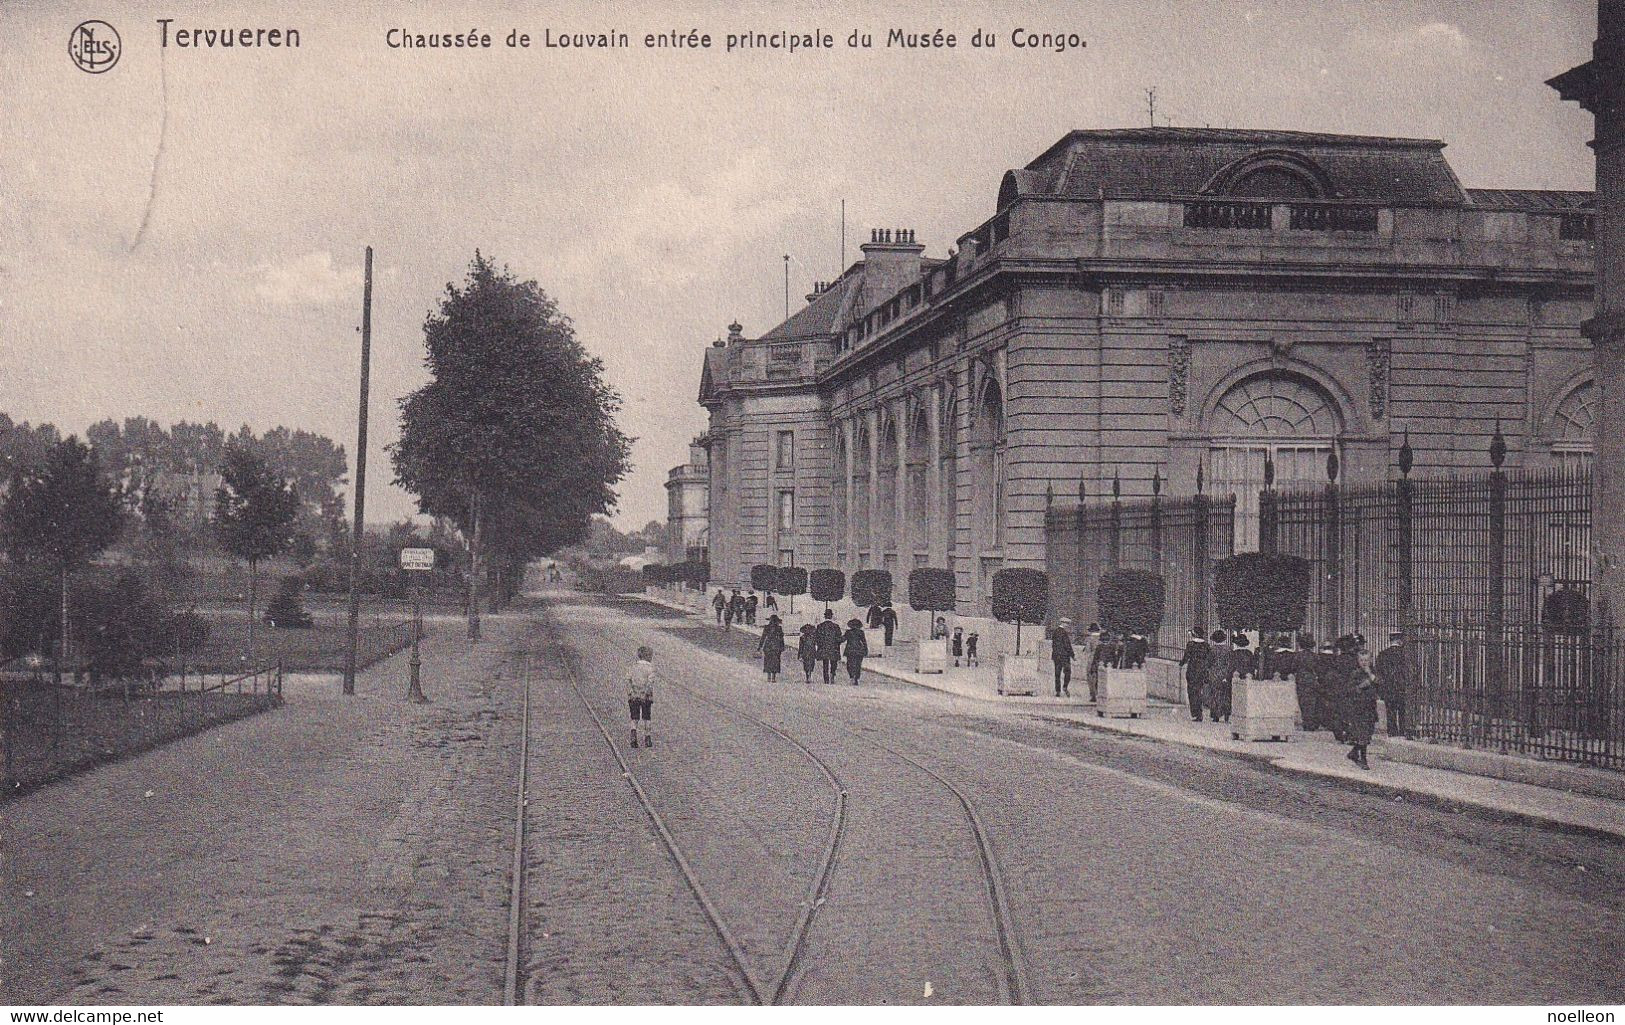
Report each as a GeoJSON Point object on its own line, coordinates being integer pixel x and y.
{"type": "Point", "coordinates": [688, 489]}
{"type": "Point", "coordinates": [1147, 303]}
{"type": "Point", "coordinates": [1599, 86]}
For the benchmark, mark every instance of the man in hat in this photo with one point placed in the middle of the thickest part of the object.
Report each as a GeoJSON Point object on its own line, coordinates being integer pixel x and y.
{"type": "Point", "coordinates": [1195, 660]}
{"type": "Point", "coordinates": [1393, 680]}
{"type": "Point", "coordinates": [1135, 649]}
{"type": "Point", "coordinates": [1061, 656]}
{"type": "Point", "coordinates": [1216, 690]}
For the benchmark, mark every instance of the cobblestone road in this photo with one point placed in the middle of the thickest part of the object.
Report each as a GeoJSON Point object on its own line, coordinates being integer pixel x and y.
{"type": "Point", "coordinates": [358, 851]}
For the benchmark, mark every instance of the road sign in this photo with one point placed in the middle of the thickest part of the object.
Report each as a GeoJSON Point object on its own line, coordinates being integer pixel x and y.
{"type": "Point", "coordinates": [419, 559]}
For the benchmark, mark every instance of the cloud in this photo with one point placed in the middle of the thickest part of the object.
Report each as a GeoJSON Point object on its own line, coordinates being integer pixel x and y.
{"type": "Point", "coordinates": [311, 279]}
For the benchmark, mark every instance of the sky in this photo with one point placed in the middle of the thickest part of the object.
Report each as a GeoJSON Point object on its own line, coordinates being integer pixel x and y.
{"type": "Point", "coordinates": [181, 236]}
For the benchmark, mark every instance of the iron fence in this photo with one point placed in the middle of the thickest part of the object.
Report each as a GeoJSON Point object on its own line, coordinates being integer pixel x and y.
{"type": "Point", "coordinates": [1178, 539]}
{"type": "Point", "coordinates": [1530, 691]}
{"type": "Point", "coordinates": [1480, 551]}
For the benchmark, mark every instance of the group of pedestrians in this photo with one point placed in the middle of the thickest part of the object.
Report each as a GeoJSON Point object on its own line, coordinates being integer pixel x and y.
{"type": "Point", "coordinates": [1100, 649]}
{"type": "Point", "coordinates": [825, 646]}
{"type": "Point", "coordinates": [741, 608]}
{"type": "Point", "coordinates": [1338, 683]}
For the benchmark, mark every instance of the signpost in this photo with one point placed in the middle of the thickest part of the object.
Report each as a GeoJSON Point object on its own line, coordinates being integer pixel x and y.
{"type": "Point", "coordinates": [416, 560]}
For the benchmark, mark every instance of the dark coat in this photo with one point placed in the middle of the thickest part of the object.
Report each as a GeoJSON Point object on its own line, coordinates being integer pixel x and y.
{"type": "Point", "coordinates": [1061, 646]}
{"type": "Point", "coordinates": [827, 641]}
{"type": "Point", "coordinates": [877, 616]}
{"type": "Point", "coordinates": [857, 647]}
{"type": "Point", "coordinates": [772, 639]}
{"type": "Point", "coordinates": [1134, 651]}
{"type": "Point", "coordinates": [1393, 675]}
{"type": "Point", "coordinates": [1195, 660]}
{"type": "Point", "coordinates": [806, 647]}
{"type": "Point", "coordinates": [1360, 713]}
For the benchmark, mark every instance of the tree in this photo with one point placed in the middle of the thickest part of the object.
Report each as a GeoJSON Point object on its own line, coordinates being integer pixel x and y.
{"type": "Point", "coordinates": [827, 585]}
{"type": "Point", "coordinates": [254, 510]}
{"type": "Point", "coordinates": [61, 515]}
{"type": "Point", "coordinates": [764, 578]}
{"type": "Point", "coordinates": [1258, 591]}
{"type": "Point", "coordinates": [871, 587]}
{"type": "Point", "coordinates": [931, 589]}
{"type": "Point", "coordinates": [1020, 596]}
{"type": "Point", "coordinates": [514, 438]}
{"type": "Point", "coordinates": [791, 582]}
{"type": "Point", "coordinates": [1131, 601]}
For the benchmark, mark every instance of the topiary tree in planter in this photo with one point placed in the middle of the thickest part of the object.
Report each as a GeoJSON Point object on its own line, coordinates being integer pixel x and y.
{"type": "Point", "coordinates": [1258, 591]}
{"type": "Point", "coordinates": [827, 585]}
{"type": "Point", "coordinates": [792, 582]}
{"type": "Point", "coordinates": [931, 590]}
{"type": "Point", "coordinates": [1268, 593]}
{"type": "Point", "coordinates": [871, 587]}
{"type": "Point", "coordinates": [1131, 601]}
{"type": "Point", "coordinates": [1020, 596]}
{"type": "Point", "coordinates": [697, 573]}
{"type": "Point", "coordinates": [764, 578]}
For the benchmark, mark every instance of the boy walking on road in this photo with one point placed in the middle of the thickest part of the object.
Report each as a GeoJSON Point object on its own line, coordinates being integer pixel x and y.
{"type": "Point", "coordinates": [640, 695]}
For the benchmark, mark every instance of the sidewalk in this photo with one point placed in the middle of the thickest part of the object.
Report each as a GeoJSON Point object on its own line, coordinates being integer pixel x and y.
{"type": "Point", "coordinates": [1564, 796]}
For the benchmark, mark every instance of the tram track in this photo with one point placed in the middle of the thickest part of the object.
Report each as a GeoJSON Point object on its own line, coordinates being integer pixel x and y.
{"type": "Point", "coordinates": [1011, 976]}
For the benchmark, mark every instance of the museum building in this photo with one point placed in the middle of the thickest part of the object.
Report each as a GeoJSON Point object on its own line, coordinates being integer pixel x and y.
{"type": "Point", "coordinates": [1144, 304]}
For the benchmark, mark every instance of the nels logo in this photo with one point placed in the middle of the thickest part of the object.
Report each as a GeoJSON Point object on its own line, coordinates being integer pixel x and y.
{"type": "Point", "coordinates": [94, 46]}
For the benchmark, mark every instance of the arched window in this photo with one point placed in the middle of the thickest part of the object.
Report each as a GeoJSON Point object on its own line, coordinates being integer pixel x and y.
{"type": "Point", "coordinates": [988, 458]}
{"type": "Point", "coordinates": [948, 472]}
{"type": "Point", "coordinates": [1273, 183]}
{"type": "Point", "coordinates": [861, 468]}
{"type": "Point", "coordinates": [887, 542]}
{"type": "Point", "coordinates": [1275, 416]}
{"type": "Point", "coordinates": [1574, 426]}
{"type": "Point", "coordinates": [919, 513]}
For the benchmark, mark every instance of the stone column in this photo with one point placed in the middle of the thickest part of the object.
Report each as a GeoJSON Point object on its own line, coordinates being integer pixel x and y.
{"type": "Point", "coordinates": [936, 528]}
{"type": "Point", "coordinates": [1599, 86]}
{"type": "Point", "coordinates": [850, 436]}
{"type": "Point", "coordinates": [900, 523]}
{"type": "Point", "coordinates": [872, 418]}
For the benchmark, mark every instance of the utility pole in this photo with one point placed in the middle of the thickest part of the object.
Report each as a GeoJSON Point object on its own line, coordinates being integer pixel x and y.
{"type": "Point", "coordinates": [1151, 106]}
{"type": "Point", "coordinates": [841, 267]}
{"type": "Point", "coordinates": [786, 286]}
{"type": "Point", "coordinates": [360, 475]}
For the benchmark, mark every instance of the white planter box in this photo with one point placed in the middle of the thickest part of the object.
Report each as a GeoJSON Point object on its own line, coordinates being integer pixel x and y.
{"type": "Point", "coordinates": [1018, 675]}
{"type": "Point", "coordinates": [1121, 693]}
{"type": "Point", "coordinates": [875, 637]}
{"type": "Point", "coordinates": [932, 657]}
{"type": "Point", "coordinates": [1263, 709]}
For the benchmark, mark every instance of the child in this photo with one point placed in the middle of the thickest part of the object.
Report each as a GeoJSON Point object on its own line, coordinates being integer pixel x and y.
{"type": "Point", "coordinates": [640, 695]}
{"type": "Point", "coordinates": [807, 650]}
{"type": "Point", "coordinates": [958, 644]}
{"type": "Point", "coordinates": [1362, 712]}
{"type": "Point", "coordinates": [970, 649]}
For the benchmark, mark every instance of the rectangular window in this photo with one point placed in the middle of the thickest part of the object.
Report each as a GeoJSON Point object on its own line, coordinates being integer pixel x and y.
{"type": "Point", "coordinates": [787, 510]}
{"type": "Point", "coordinates": [784, 451]}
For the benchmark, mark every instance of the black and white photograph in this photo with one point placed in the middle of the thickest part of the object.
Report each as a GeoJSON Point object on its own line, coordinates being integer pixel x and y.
{"type": "Point", "coordinates": [1010, 503]}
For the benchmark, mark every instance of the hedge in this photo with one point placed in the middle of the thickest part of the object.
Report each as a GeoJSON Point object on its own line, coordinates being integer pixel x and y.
{"type": "Point", "coordinates": [871, 587]}
{"type": "Point", "coordinates": [764, 577]}
{"type": "Point", "coordinates": [827, 585]}
{"type": "Point", "coordinates": [1131, 601]}
{"type": "Point", "coordinates": [931, 589]}
{"type": "Point", "coordinates": [1256, 591]}
{"type": "Point", "coordinates": [792, 580]}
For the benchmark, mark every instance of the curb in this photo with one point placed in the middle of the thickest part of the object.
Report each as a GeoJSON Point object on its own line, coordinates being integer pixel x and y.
{"type": "Point", "coordinates": [1276, 761]}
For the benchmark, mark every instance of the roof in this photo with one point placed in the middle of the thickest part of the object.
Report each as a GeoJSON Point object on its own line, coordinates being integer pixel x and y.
{"type": "Point", "coordinates": [713, 371]}
{"type": "Point", "coordinates": [818, 318]}
{"type": "Point", "coordinates": [1551, 200]}
{"type": "Point", "coordinates": [1150, 163]}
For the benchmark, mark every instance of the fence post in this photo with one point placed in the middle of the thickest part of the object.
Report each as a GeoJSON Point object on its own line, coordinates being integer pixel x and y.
{"type": "Point", "coordinates": [1402, 517]}
{"type": "Point", "coordinates": [1199, 555]}
{"type": "Point", "coordinates": [1333, 605]}
{"type": "Point", "coordinates": [1156, 519]}
{"type": "Point", "coordinates": [1267, 540]}
{"type": "Point", "coordinates": [1496, 667]}
{"type": "Point", "coordinates": [1115, 542]}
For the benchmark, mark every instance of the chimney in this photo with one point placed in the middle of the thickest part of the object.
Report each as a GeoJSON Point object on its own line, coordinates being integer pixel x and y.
{"type": "Point", "coordinates": [891, 262]}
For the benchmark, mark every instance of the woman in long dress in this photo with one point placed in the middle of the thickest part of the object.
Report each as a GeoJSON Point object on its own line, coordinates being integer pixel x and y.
{"type": "Point", "coordinates": [772, 647]}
